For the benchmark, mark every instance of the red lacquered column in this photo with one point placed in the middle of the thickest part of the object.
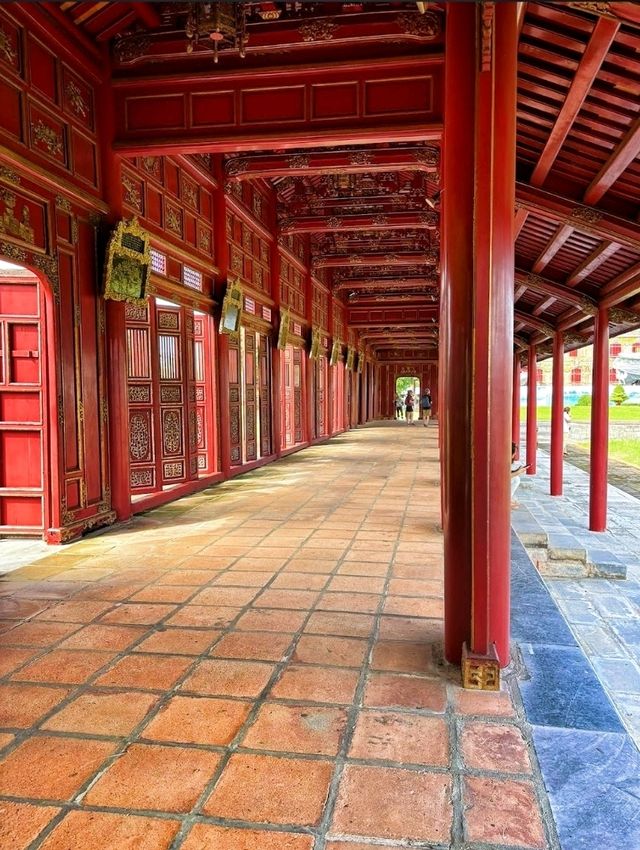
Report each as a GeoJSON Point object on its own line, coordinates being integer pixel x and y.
{"type": "Point", "coordinates": [599, 424]}
{"type": "Point", "coordinates": [221, 247]}
{"type": "Point", "coordinates": [477, 325]}
{"type": "Point", "coordinates": [515, 410]}
{"type": "Point", "coordinates": [532, 411]}
{"type": "Point", "coordinates": [557, 422]}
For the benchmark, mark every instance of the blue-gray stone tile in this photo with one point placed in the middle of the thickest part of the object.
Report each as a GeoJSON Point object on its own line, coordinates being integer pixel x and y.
{"type": "Point", "coordinates": [593, 782]}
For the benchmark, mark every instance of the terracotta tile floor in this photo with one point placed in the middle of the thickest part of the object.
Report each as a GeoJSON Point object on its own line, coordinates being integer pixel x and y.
{"type": "Point", "coordinates": [258, 667]}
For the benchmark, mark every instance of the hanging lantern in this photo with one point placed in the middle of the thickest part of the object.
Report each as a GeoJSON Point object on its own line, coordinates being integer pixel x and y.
{"type": "Point", "coordinates": [217, 26]}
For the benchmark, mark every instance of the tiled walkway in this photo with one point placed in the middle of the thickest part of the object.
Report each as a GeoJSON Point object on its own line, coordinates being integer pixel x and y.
{"type": "Point", "coordinates": [259, 668]}
{"type": "Point", "coordinates": [604, 615]}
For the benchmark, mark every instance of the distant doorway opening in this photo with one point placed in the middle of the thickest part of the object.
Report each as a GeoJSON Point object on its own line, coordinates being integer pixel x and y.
{"type": "Point", "coordinates": [407, 405]}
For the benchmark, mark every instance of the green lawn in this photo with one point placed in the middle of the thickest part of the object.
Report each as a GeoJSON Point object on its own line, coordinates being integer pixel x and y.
{"type": "Point", "coordinates": [582, 413]}
{"type": "Point", "coordinates": [626, 451]}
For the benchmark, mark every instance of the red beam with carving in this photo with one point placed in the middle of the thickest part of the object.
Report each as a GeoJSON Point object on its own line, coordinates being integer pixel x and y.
{"type": "Point", "coordinates": [329, 162]}
{"type": "Point", "coordinates": [381, 221]}
{"type": "Point", "coordinates": [340, 260]}
{"type": "Point", "coordinates": [351, 102]}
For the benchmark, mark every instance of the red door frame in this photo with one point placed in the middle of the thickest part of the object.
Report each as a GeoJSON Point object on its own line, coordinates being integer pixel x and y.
{"type": "Point", "coordinates": [49, 406]}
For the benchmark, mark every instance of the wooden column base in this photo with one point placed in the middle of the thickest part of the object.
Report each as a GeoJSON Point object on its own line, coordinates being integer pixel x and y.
{"type": "Point", "coordinates": [480, 672]}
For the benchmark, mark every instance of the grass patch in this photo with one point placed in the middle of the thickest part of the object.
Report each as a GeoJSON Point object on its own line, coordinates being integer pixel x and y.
{"type": "Point", "coordinates": [582, 413]}
{"type": "Point", "coordinates": [626, 451]}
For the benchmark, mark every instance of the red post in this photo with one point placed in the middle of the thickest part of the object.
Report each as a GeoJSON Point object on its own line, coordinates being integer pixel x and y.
{"type": "Point", "coordinates": [221, 253]}
{"type": "Point", "coordinates": [598, 478]}
{"type": "Point", "coordinates": [532, 411]}
{"type": "Point", "coordinates": [477, 325]}
{"type": "Point", "coordinates": [515, 410]}
{"type": "Point", "coordinates": [557, 421]}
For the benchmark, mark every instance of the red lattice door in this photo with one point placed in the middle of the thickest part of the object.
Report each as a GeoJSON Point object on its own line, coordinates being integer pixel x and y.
{"type": "Point", "coordinates": [287, 397]}
{"type": "Point", "coordinates": [235, 408]}
{"type": "Point", "coordinates": [297, 395]}
{"type": "Point", "coordinates": [23, 439]}
{"type": "Point", "coordinates": [173, 445]}
{"type": "Point", "coordinates": [250, 396]}
{"type": "Point", "coordinates": [202, 365]}
{"type": "Point", "coordinates": [265, 395]}
{"type": "Point", "coordinates": [141, 393]}
{"type": "Point", "coordinates": [320, 381]}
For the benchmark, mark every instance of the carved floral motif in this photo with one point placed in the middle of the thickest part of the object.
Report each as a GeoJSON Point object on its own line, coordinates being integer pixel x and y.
{"type": "Point", "coordinates": [138, 437]}
{"type": "Point", "coordinates": [76, 99]}
{"type": "Point", "coordinates": [319, 30]}
{"type": "Point", "coordinates": [171, 432]}
{"type": "Point", "coordinates": [586, 214]}
{"type": "Point", "coordinates": [132, 193]}
{"type": "Point", "coordinates": [9, 222]}
{"type": "Point", "coordinates": [299, 160]}
{"type": "Point", "coordinates": [174, 221]}
{"type": "Point", "coordinates": [9, 175]}
{"type": "Point", "coordinates": [47, 136]}
{"type": "Point", "coordinates": [413, 23]}
{"type": "Point", "coordinates": [7, 50]}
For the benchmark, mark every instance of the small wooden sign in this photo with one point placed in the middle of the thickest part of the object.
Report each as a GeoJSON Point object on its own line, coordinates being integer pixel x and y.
{"type": "Point", "coordinates": [231, 308]}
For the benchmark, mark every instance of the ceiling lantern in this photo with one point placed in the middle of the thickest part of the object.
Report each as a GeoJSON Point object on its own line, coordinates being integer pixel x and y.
{"type": "Point", "coordinates": [217, 26]}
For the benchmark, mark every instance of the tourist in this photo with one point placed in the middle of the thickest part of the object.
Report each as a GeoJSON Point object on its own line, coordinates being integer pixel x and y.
{"type": "Point", "coordinates": [408, 406]}
{"type": "Point", "coordinates": [517, 468]}
{"type": "Point", "coordinates": [566, 427]}
{"type": "Point", "coordinates": [398, 404]}
{"type": "Point", "coordinates": [425, 406]}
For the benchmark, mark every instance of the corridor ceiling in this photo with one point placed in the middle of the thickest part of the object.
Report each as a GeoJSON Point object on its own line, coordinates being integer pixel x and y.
{"type": "Point", "coordinates": [371, 211]}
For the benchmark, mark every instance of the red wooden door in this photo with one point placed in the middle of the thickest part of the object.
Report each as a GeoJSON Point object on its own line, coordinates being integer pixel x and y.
{"type": "Point", "coordinates": [23, 438]}
{"type": "Point", "coordinates": [235, 410]}
{"type": "Point", "coordinates": [204, 404]}
{"type": "Point", "coordinates": [287, 397]}
{"type": "Point", "coordinates": [141, 392]}
{"type": "Point", "coordinates": [265, 395]}
{"type": "Point", "coordinates": [320, 375]}
{"type": "Point", "coordinates": [298, 431]}
{"type": "Point", "coordinates": [250, 396]}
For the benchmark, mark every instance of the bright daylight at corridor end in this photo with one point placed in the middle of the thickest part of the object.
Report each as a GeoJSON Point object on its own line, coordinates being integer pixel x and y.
{"type": "Point", "coordinates": [319, 425]}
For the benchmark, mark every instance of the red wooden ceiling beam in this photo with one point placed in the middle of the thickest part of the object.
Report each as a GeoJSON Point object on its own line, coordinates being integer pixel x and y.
{"type": "Point", "coordinates": [528, 319]}
{"type": "Point", "coordinates": [382, 284]}
{"type": "Point", "coordinates": [553, 246]}
{"type": "Point", "coordinates": [595, 259]}
{"type": "Point", "coordinates": [330, 162]}
{"type": "Point", "coordinates": [148, 14]}
{"type": "Point", "coordinates": [338, 261]}
{"type": "Point", "coordinates": [581, 218]}
{"type": "Point", "coordinates": [521, 216]}
{"type": "Point", "coordinates": [622, 157]}
{"type": "Point", "coordinates": [380, 221]}
{"type": "Point", "coordinates": [544, 305]}
{"type": "Point", "coordinates": [594, 55]}
{"type": "Point", "coordinates": [555, 290]}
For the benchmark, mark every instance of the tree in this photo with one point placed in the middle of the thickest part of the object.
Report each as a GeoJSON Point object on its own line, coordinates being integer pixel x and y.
{"type": "Point", "coordinates": [619, 396]}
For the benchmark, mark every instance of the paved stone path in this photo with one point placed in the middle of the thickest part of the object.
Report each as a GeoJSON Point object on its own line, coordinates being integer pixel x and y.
{"type": "Point", "coordinates": [603, 614]}
{"type": "Point", "coordinates": [258, 667]}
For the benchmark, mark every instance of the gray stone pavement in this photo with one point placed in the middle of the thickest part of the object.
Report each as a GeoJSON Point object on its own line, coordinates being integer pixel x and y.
{"type": "Point", "coordinates": [18, 552]}
{"type": "Point", "coordinates": [603, 614]}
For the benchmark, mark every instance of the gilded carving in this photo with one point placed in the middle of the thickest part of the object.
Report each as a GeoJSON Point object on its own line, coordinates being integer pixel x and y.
{"type": "Point", "coordinates": [7, 50]}
{"type": "Point", "coordinates": [167, 321]}
{"type": "Point", "coordinates": [204, 241]}
{"type": "Point", "coordinates": [257, 204]}
{"type": "Point", "coordinates": [141, 478]}
{"type": "Point", "coordinates": [190, 194]}
{"type": "Point", "coordinates": [426, 25]}
{"type": "Point", "coordinates": [172, 470]}
{"type": "Point", "coordinates": [77, 101]}
{"type": "Point", "coordinates": [9, 175]}
{"type": "Point", "coordinates": [48, 265]}
{"type": "Point", "coordinates": [132, 193]}
{"type": "Point", "coordinates": [126, 48]}
{"type": "Point", "coordinates": [138, 437]}
{"type": "Point", "coordinates": [600, 8]}
{"type": "Point", "coordinates": [618, 316]}
{"type": "Point", "coordinates": [63, 204]}
{"type": "Point", "coordinates": [135, 312]}
{"type": "Point", "coordinates": [174, 221]}
{"type": "Point", "coordinates": [427, 156]}
{"type": "Point", "coordinates": [9, 222]}
{"type": "Point", "coordinates": [236, 166]}
{"type": "Point", "coordinates": [170, 395]}
{"type": "Point", "coordinates": [298, 161]}
{"type": "Point", "coordinates": [139, 394]}
{"type": "Point", "coordinates": [430, 218]}
{"type": "Point", "coordinates": [334, 221]}
{"type": "Point", "coordinates": [171, 432]}
{"type": "Point", "coordinates": [47, 136]}
{"type": "Point", "coordinates": [151, 165]}
{"type": "Point", "coordinates": [588, 306]}
{"type": "Point", "coordinates": [360, 158]}
{"type": "Point", "coordinates": [381, 218]}
{"type": "Point", "coordinates": [486, 36]}
{"type": "Point", "coordinates": [586, 214]}
{"type": "Point", "coordinates": [319, 30]}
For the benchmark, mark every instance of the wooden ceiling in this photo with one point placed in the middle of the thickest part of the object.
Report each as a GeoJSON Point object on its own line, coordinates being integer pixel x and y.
{"type": "Point", "coordinates": [370, 212]}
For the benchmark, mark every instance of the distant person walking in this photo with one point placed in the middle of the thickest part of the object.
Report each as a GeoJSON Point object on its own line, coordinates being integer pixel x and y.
{"type": "Point", "coordinates": [425, 406]}
{"type": "Point", "coordinates": [566, 428]}
{"type": "Point", "coordinates": [398, 405]}
{"type": "Point", "coordinates": [409, 402]}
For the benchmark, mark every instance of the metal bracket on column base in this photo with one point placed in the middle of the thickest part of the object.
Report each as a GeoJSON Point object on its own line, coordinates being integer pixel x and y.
{"type": "Point", "coordinates": [480, 672]}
